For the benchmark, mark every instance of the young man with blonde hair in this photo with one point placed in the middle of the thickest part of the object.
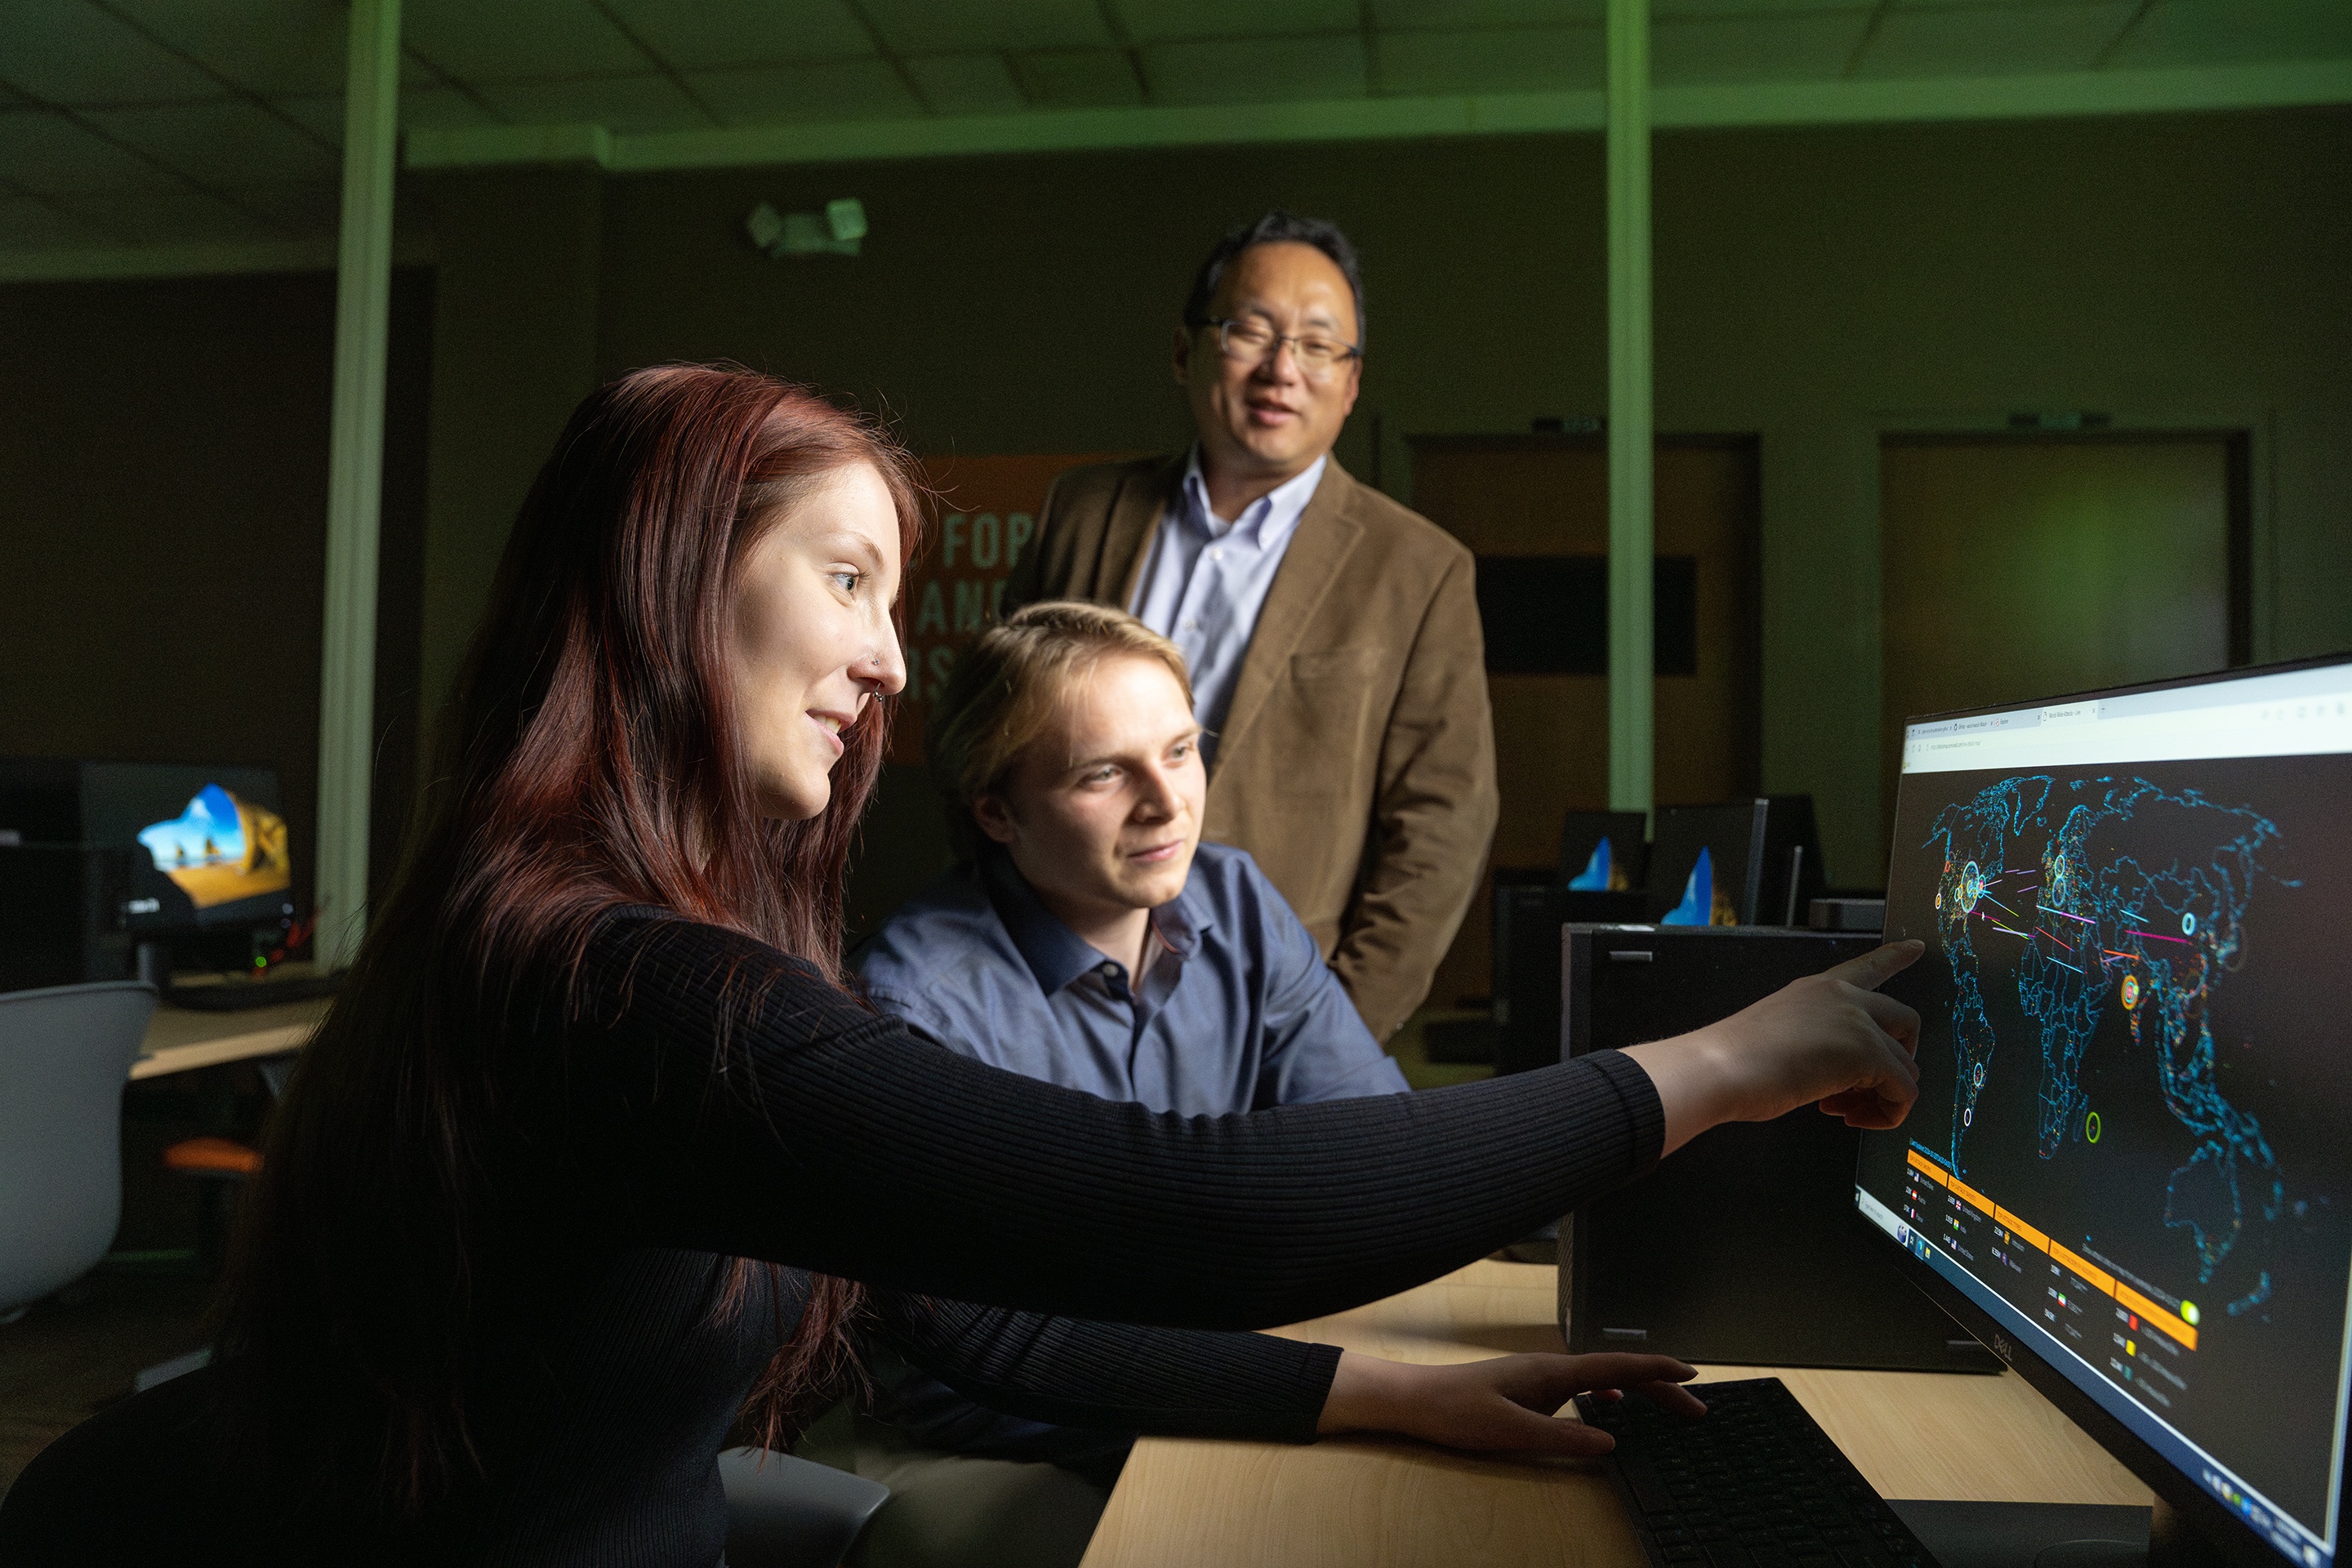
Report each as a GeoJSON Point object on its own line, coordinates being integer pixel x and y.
{"type": "Point", "coordinates": [1089, 938]}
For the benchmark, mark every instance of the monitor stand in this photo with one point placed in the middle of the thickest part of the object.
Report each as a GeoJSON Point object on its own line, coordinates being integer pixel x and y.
{"type": "Point", "coordinates": [2055, 1535]}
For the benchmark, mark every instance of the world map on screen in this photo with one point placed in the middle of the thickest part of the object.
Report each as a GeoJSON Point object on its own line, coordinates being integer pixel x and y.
{"type": "Point", "coordinates": [2094, 894]}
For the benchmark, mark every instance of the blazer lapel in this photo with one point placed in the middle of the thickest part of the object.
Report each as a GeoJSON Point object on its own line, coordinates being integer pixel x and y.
{"type": "Point", "coordinates": [1326, 535]}
{"type": "Point", "coordinates": [1134, 517]}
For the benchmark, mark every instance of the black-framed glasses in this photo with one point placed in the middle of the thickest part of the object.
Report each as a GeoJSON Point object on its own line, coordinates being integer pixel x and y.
{"type": "Point", "coordinates": [1246, 342]}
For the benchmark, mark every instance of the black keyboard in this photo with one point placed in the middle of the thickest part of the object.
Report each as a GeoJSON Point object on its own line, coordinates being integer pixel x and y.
{"type": "Point", "coordinates": [1755, 1483]}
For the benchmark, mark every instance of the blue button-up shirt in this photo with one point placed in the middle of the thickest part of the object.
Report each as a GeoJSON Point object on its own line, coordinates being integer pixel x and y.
{"type": "Point", "coordinates": [1237, 1010]}
{"type": "Point", "coordinates": [1206, 579]}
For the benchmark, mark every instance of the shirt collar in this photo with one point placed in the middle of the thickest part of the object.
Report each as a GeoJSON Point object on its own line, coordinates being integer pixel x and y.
{"type": "Point", "coordinates": [1055, 954]}
{"type": "Point", "coordinates": [1267, 520]}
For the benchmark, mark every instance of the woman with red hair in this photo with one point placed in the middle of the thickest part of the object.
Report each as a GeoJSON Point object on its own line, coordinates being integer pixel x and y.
{"type": "Point", "coordinates": [596, 1151]}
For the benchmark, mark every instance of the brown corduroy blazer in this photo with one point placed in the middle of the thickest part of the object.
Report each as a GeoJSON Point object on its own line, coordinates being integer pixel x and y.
{"type": "Point", "coordinates": [1356, 764]}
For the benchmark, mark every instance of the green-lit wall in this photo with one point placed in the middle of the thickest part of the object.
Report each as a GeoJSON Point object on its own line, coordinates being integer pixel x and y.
{"type": "Point", "coordinates": [1814, 286]}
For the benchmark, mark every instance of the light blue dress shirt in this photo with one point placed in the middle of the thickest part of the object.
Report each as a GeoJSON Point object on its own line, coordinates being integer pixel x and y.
{"type": "Point", "coordinates": [1206, 579]}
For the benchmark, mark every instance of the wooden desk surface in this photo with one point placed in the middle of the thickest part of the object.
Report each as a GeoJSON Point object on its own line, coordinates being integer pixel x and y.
{"type": "Point", "coordinates": [179, 1039]}
{"type": "Point", "coordinates": [1371, 1502]}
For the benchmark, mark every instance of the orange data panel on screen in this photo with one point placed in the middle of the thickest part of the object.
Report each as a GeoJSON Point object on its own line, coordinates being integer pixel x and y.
{"type": "Point", "coordinates": [985, 517]}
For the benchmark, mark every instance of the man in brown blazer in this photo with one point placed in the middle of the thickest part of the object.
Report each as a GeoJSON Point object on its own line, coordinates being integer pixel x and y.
{"type": "Point", "coordinates": [1333, 635]}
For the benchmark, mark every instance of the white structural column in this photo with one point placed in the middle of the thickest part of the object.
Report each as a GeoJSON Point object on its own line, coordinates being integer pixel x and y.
{"type": "Point", "coordinates": [1631, 683]}
{"type": "Point", "coordinates": [355, 479]}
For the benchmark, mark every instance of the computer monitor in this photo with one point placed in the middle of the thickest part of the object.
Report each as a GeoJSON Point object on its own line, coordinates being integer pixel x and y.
{"type": "Point", "coordinates": [193, 856]}
{"type": "Point", "coordinates": [1603, 851]}
{"type": "Point", "coordinates": [1747, 862]}
{"type": "Point", "coordinates": [2128, 1171]}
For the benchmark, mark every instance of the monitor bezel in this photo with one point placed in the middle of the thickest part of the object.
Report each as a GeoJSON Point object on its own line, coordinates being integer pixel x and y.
{"type": "Point", "coordinates": [2214, 1524]}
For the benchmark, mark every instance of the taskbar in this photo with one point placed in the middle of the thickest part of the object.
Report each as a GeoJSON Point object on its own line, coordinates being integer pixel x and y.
{"type": "Point", "coordinates": [2288, 1535]}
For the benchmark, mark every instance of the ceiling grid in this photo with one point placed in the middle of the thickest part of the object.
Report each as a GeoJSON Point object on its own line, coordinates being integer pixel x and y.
{"type": "Point", "coordinates": [150, 122]}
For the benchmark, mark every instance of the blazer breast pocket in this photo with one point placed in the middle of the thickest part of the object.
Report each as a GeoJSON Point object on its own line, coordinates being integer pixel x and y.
{"type": "Point", "coordinates": [1331, 709]}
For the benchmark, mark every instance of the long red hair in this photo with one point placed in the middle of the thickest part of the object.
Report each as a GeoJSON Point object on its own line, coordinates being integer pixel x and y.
{"type": "Point", "coordinates": [587, 758]}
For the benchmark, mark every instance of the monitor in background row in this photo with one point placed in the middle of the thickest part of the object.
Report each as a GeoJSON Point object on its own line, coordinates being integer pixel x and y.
{"type": "Point", "coordinates": [1750, 862]}
{"type": "Point", "coordinates": [2127, 1169]}
{"type": "Point", "coordinates": [96, 857]}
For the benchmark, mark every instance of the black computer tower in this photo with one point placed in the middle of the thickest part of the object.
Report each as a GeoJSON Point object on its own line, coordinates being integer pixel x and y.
{"type": "Point", "coordinates": [1527, 916]}
{"type": "Point", "coordinates": [1744, 1246]}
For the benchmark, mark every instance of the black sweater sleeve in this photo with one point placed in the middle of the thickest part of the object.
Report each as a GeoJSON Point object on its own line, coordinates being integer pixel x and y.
{"type": "Point", "coordinates": [1167, 1383]}
{"type": "Point", "coordinates": [739, 1103]}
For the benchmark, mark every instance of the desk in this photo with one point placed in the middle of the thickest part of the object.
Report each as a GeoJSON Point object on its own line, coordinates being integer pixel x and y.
{"type": "Point", "coordinates": [1371, 1502]}
{"type": "Point", "coordinates": [179, 1039]}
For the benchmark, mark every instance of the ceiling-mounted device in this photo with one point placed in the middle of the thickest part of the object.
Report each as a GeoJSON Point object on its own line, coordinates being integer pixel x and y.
{"type": "Point", "coordinates": [837, 231]}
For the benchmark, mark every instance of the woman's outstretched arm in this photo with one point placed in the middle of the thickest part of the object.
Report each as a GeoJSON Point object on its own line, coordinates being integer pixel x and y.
{"type": "Point", "coordinates": [744, 1106]}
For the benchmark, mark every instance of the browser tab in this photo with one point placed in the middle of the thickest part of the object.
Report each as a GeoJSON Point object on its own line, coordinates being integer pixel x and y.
{"type": "Point", "coordinates": [2072, 713]}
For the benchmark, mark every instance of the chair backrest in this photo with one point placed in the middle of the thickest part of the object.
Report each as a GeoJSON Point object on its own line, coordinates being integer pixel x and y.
{"type": "Point", "coordinates": [65, 1055]}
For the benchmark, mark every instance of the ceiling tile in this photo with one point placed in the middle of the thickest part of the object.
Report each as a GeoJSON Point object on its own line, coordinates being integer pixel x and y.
{"type": "Point", "coordinates": [966, 84]}
{"type": "Point", "coordinates": [1257, 71]}
{"type": "Point", "coordinates": [1159, 21]}
{"type": "Point", "coordinates": [839, 89]}
{"type": "Point", "coordinates": [962, 27]}
{"type": "Point", "coordinates": [714, 34]}
{"type": "Point", "coordinates": [219, 142]}
{"type": "Point", "coordinates": [513, 39]}
{"type": "Point", "coordinates": [644, 102]}
{"type": "Point", "coordinates": [1077, 78]}
{"type": "Point", "coordinates": [1993, 41]}
{"type": "Point", "coordinates": [434, 108]}
{"type": "Point", "coordinates": [263, 46]}
{"type": "Point", "coordinates": [1449, 15]}
{"type": "Point", "coordinates": [2215, 32]}
{"type": "Point", "coordinates": [48, 154]}
{"type": "Point", "coordinates": [442, 109]}
{"type": "Point", "coordinates": [1755, 48]}
{"type": "Point", "coordinates": [1497, 60]}
{"type": "Point", "coordinates": [304, 206]}
{"type": "Point", "coordinates": [28, 225]}
{"type": "Point", "coordinates": [68, 51]}
{"type": "Point", "coordinates": [168, 215]}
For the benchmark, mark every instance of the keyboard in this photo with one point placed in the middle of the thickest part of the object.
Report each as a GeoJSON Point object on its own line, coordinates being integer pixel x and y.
{"type": "Point", "coordinates": [1755, 1483]}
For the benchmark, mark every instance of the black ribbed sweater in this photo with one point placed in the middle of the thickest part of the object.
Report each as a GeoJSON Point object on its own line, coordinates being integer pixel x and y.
{"type": "Point", "coordinates": [718, 1100]}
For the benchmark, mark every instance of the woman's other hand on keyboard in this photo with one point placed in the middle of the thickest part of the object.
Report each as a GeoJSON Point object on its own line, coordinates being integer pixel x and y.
{"type": "Point", "coordinates": [1504, 1403]}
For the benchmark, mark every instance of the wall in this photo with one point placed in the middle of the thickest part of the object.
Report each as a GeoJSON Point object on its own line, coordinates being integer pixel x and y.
{"type": "Point", "coordinates": [162, 528]}
{"type": "Point", "coordinates": [1813, 286]}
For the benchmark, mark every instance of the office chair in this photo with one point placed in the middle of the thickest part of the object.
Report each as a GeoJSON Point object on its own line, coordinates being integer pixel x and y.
{"type": "Point", "coordinates": [788, 1512]}
{"type": "Point", "coordinates": [65, 1054]}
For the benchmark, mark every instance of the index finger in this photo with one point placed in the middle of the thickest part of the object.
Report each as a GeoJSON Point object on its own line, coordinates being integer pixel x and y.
{"type": "Point", "coordinates": [1879, 965]}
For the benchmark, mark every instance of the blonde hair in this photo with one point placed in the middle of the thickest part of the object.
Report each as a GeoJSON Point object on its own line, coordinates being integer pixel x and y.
{"type": "Point", "coordinates": [1002, 693]}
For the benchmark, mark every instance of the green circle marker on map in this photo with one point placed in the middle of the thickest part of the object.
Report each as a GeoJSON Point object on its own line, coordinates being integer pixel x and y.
{"type": "Point", "coordinates": [2091, 1127]}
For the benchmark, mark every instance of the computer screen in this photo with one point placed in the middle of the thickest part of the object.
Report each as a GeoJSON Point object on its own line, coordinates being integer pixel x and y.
{"type": "Point", "coordinates": [1706, 864]}
{"type": "Point", "coordinates": [2133, 1145]}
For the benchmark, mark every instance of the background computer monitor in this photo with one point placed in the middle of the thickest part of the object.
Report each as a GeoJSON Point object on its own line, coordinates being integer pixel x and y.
{"type": "Point", "coordinates": [2128, 1171]}
{"type": "Point", "coordinates": [1603, 851]}
{"type": "Point", "coordinates": [193, 856]}
{"type": "Point", "coordinates": [1747, 862]}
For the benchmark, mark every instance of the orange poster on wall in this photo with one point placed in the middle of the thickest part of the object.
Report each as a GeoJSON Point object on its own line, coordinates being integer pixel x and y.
{"type": "Point", "coordinates": [986, 517]}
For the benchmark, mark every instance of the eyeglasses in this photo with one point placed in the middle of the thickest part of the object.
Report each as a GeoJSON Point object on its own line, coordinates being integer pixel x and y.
{"type": "Point", "coordinates": [1255, 343]}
